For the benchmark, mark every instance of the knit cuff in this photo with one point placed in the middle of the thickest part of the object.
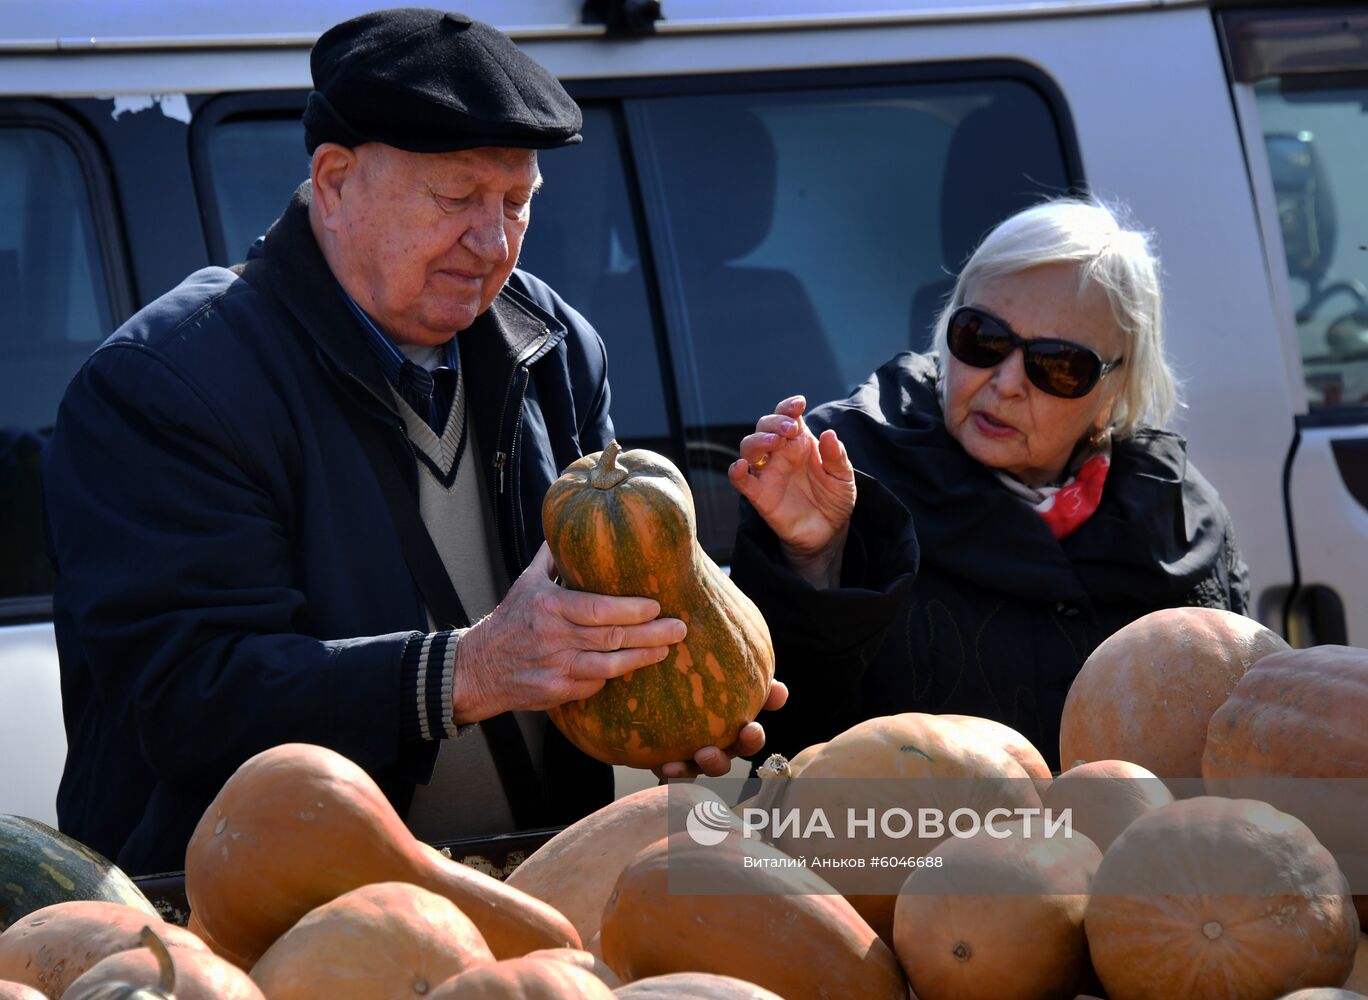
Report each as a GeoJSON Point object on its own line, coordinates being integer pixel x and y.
{"type": "Point", "coordinates": [426, 675]}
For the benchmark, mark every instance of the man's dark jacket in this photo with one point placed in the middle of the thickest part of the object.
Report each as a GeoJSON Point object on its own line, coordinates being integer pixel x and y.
{"type": "Point", "coordinates": [229, 577]}
{"type": "Point", "coordinates": [955, 597]}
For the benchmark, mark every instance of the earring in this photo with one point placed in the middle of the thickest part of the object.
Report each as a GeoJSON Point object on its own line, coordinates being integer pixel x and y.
{"type": "Point", "coordinates": [1099, 437]}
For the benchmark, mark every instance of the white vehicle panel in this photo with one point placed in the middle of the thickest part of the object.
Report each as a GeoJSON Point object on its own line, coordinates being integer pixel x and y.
{"type": "Point", "coordinates": [1331, 525]}
{"type": "Point", "coordinates": [31, 728]}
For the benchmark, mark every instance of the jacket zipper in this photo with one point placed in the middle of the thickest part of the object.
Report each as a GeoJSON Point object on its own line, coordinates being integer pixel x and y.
{"type": "Point", "coordinates": [503, 459]}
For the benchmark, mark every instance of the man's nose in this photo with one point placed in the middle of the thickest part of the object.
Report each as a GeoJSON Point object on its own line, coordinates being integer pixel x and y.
{"type": "Point", "coordinates": [485, 237]}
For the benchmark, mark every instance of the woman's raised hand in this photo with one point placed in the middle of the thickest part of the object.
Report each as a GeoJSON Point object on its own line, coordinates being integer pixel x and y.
{"type": "Point", "coordinates": [803, 486]}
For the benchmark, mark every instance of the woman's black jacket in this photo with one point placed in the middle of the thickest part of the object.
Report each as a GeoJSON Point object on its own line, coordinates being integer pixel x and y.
{"type": "Point", "coordinates": [954, 596]}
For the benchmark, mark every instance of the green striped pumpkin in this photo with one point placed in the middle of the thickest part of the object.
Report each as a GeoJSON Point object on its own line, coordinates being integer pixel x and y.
{"type": "Point", "coordinates": [623, 524]}
{"type": "Point", "coordinates": [40, 866]}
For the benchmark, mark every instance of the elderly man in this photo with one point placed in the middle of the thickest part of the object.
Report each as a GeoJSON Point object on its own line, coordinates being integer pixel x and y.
{"type": "Point", "coordinates": [280, 494]}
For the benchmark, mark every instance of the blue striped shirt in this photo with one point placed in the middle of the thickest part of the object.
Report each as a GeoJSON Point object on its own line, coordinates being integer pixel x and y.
{"type": "Point", "coordinates": [418, 386]}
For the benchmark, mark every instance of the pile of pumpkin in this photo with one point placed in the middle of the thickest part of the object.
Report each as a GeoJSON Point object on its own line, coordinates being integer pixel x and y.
{"type": "Point", "coordinates": [304, 883]}
{"type": "Point", "coordinates": [1176, 883]}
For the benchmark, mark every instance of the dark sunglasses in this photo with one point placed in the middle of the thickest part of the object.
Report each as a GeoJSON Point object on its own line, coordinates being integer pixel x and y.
{"type": "Point", "coordinates": [1058, 367]}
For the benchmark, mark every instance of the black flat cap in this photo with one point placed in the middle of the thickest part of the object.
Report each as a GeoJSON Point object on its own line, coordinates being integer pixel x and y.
{"type": "Point", "coordinates": [432, 82]}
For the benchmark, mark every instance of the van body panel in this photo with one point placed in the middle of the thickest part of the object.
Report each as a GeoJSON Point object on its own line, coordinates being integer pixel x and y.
{"type": "Point", "coordinates": [1330, 525]}
{"type": "Point", "coordinates": [30, 722]}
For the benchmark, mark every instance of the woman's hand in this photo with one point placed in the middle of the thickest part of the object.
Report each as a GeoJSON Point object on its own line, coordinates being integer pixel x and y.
{"type": "Point", "coordinates": [803, 486]}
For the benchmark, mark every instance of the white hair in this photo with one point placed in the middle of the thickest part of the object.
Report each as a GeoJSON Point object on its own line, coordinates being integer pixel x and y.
{"type": "Point", "coordinates": [1110, 255]}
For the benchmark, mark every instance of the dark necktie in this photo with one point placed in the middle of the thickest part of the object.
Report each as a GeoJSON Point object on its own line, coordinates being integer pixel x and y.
{"type": "Point", "coordinates": [429, 393]}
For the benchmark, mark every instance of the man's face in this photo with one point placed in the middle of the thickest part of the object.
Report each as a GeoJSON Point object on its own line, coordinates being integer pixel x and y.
{"type": "Point", "coordinates": [425, 241]}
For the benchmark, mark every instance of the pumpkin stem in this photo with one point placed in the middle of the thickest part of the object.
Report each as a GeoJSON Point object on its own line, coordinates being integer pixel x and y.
{"type": "Point", "coordinates": [607, 473]}
{"type": "Point", "coordinates": [775, 776]}
{"type": "Point", "coordinates": [166, 981]}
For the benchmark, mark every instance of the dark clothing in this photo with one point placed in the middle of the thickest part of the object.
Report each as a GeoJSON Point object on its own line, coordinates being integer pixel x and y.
{"type": "Point", "coordinates": [229, 577]}
{"type": "Point", "coordinates": [955, 597]}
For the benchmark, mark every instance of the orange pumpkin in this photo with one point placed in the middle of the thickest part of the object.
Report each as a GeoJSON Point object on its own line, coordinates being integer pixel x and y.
{"type": "Point", "coordinates": [999, 919]}
{"type": "Point", "coordinates": [1021, 749]}
{"type": "Point", "coordinates": [693, 986]}
{"type": "Point", "coordinates": [386, 941]}
{"type": "Point", "coordinates": [1212, 897]}
{"type": "Point", "coordinates": [188, 974]}
{"type": "Point", "coordinates": [802, 757]}
{"type": "Point", "coordinates": [1104, 797]}
{"type": "Point", "coordinates": [910, 761]}
{"type": "Point", "coordinates": [298, 825]}
{"type": "Point", "coordinates": [1148, 691]}
{"type": "Point", "coordinates": [581, 959]}
{"type": "Point", "coordinates": [49, 949]}
{"type": "Point", "coordinates": [1358, 978]}
{"type": "Point", "coordinates": [623, 523]}
{"type": "Point", "coordinates": [1293, 733]}
{"type": "Point", "coordinates": [782, 928]}
{"type": "Point", "coordinates": [575, 870]}
{"type": "Point", "coordinates": [525, 978]}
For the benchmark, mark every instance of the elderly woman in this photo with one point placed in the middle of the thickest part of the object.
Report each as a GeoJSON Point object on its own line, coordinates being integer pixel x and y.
{"type": "Point", "coordinates": [960, 533]}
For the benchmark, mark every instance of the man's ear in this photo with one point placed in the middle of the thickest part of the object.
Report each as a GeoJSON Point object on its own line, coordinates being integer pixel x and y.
{"type": "Point", "coordinates": [330, 169]}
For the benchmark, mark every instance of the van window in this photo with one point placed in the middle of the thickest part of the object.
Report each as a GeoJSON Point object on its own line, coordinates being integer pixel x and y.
{"type": "Point", "coordinates": [583, 242]}
{"type": "Point", "coordinates": [256, 163]}
{"type": "Point", "coordinates": [56, 310]}
{"type": "Point", "coordinates": [1316, 135]}
{"type": "Point", "coordinates": [804, 237]}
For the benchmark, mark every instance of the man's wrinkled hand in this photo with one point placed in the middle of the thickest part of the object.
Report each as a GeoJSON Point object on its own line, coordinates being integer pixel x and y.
{"type": "Point", "coordinates": [545, 645]}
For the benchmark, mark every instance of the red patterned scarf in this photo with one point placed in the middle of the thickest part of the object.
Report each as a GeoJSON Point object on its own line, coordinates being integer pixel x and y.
{"type": "Point", "coordinates": [1068, 505]}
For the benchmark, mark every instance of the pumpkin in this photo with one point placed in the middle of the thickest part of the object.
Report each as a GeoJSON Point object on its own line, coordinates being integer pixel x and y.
{"type": "Point", "coordinates": [999, 919]}
{"type": "Point", "coordinates": [40, 866]}
{"type": "Point", "coordinates": [736, 908]}
{"type": "Point", "coordinates": [582, 959]}
{"type": "Point", "coordinates": [693, 986]}
{"type": "Point", "coordinates": [49, 949]}
{"type": "Point", "coordinates": [525, 978]}
{"type": "Point", "coordinates": [156, 971]}
{"type": "Point", "coordinates": [193, 925]}
{"type": "Point", "coordinates": [386, 941]}
{"type": "Point", "coordinates": [1104, 797]}
{"type": "Point", "coordinates": [1148, 691]}
{"type": "Point", "coordinates": [1213, 897]}
{"type": "Point", "coordinates": [802, 757]}
{"type": "Point", "coordinates": [911, 761]}
{"type": "Point", "coordinates": [1021, 749]}
{"type": "Point", "coordinates": [1293, 733]}
{"type": "Point", "coordinates": [575, 870]}
{"type": "Point", "coordinates": [18, 991]}
{"type": "Point", "coordinates": [622, 523]}
{"type": "Point", "coordinates": [297, 826]}
{"type": "Point", "coordinates": [1358, 978]}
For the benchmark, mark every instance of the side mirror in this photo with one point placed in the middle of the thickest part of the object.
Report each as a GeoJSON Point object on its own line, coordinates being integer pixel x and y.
{"type": "Point", "coordinates": [1306, 208]}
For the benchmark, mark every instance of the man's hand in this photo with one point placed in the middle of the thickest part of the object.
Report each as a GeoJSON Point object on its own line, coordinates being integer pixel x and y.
{"type": "Point", "coordinates": [716, 761]}
{"type": "Point", "coordinates": [545, 645]}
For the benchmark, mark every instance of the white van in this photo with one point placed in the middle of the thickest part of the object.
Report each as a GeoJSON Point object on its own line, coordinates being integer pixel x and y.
{"type": "Point", "coordinates": [771, 198]}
